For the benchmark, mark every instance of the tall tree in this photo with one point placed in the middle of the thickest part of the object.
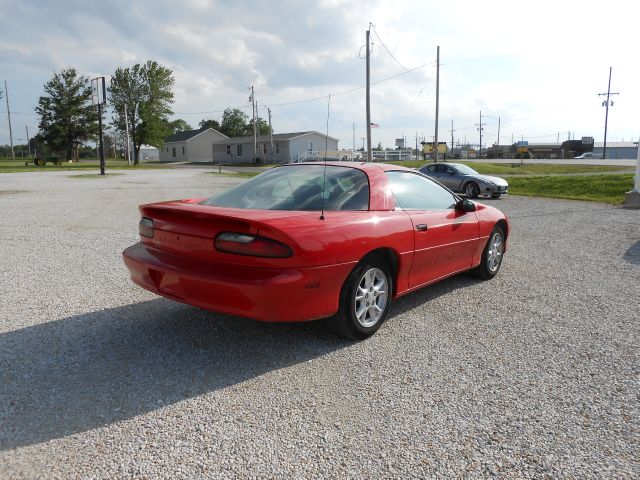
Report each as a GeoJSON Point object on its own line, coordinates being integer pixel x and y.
{"type": "Point", "coordinates": [177, 126]}
{"type": "Point", "coordinates": [67, 117]}
{"type": "Point", "coordinates": [209, 123]}
{"type": "Point", "coordinates": [234, 123]}
{"type": "Point", "coordinates": [145, 91]}
{"type": "Point", "coordinates": [263, 127]}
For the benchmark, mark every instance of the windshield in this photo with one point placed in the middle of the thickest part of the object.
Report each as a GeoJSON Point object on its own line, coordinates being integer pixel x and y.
{"type": "Point", "coordinates": [300, 187]}
{"type": "Point", "coordinates": [464, 170]}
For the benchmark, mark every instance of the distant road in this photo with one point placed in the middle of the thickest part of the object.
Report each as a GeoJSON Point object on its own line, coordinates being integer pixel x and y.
{"type": "Point", "coordinates": [558, 161]}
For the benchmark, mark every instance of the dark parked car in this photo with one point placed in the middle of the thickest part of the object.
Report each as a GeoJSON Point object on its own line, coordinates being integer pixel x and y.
{"type": "Point", "coordinates": [463, 179]}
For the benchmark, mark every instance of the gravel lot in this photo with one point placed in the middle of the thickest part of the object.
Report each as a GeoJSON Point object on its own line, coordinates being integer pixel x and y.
{"type": "Point", "coordinates": [533, 374]}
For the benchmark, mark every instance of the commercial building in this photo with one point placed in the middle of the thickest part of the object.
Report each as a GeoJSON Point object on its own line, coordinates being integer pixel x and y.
{"type": "Point", "coordinates": [617, 149]}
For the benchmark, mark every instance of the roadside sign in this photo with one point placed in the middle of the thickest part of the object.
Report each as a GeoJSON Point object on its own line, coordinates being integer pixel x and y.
{"type": "Point", "coordinates": [98, 91]}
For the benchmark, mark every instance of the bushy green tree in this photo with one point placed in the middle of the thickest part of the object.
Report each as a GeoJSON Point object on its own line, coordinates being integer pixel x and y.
{"type": "Point", "coordinates": [234, 123]}
{"type": "Point", "coordinates": [177, 126]}
{"type": "Point", "coordinates": [263, 127]}
{"type": "Point", "coordinates": [209, 123]}
{"type": "Point", "coordinates": [67, 117]}
{"type": "Point", "coordinates": [146, 93]}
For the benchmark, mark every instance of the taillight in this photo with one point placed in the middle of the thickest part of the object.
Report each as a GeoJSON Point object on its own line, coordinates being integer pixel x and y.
{"type": "Point", "coordinates": [244, 244]}
{"type": "Point", "coordinates": [145, 227]}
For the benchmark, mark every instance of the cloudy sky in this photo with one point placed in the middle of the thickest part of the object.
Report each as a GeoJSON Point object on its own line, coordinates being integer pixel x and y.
{"type": "Point", "coordinates": [537, 65]}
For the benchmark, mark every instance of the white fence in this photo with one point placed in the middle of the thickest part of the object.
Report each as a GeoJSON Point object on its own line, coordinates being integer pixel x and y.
{"type": "Point", "coordinates": [353, 156]}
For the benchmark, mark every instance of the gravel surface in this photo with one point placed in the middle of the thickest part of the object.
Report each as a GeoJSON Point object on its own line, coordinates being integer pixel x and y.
{"type": "Point", "coordinates": [532, 374]}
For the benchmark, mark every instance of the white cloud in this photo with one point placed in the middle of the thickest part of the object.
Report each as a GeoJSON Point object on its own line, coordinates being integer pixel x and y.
{"type": "Point", "coordinates": [537, 66]}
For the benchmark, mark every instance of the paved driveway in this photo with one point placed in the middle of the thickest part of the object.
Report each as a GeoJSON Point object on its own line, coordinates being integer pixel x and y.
{"type": "Point", "coordinates": [532, 374]}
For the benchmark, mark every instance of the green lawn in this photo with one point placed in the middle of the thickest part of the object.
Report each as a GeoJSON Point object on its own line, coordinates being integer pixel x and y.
{"type": "Point", "coordinates": [596, 188]}
{"type": "Point", "coordinates": [7, 165]}
{"type": "Point", "coordinates": [526, 169]}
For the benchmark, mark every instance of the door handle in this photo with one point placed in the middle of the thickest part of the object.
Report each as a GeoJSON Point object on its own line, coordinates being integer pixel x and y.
{"type": "Point", "coordinates": [421, 227]}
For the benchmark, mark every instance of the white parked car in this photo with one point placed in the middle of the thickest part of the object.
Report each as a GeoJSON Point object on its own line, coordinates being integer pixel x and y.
{"type": "Point", "coordinates": [589, 155]}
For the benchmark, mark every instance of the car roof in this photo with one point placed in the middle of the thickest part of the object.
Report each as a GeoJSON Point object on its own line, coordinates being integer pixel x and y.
{"type": "Point", "coordinates": [364, 166]}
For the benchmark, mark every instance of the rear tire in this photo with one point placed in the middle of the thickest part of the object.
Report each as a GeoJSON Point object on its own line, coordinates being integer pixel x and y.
{"type": "Point", "coordinates": [491, 255]}
{"type": "Point", "coordinates": [364, 301]}
{"type": "Point", "coordinates": [471, 190]}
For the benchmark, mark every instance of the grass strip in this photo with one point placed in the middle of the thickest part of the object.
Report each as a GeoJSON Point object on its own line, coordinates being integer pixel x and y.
{"type": "Point", "coordinates": [595, 188]}
{"type": "Point", "coordinates": [526, 169]}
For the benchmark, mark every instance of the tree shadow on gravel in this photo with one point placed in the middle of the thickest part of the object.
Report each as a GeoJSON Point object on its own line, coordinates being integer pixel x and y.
{"type": "Point", "coordinates": [633, 254]}
{"type": "Point", "coordinates": [91, 370]}
{"type": "Point", "coordinates": [87, 371]}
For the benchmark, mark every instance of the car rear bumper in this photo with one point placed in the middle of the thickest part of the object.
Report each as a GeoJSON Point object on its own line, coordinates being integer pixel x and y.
{"type": "Point", "coordinates": [265, 294]}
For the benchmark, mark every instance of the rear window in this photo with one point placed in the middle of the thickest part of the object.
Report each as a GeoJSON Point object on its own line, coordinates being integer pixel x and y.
{"type": "Point", "coordinates": [300, 187]}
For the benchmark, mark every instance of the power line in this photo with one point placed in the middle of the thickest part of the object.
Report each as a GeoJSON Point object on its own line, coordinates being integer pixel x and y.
{"type": "Point", "coordinates": [389, 51]}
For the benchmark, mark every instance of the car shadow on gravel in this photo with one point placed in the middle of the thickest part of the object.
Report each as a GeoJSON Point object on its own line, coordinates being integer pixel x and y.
{"type": "Point", "coordinates": [92, 370]}
{"type": "Point", "coordinates": [424, 295]}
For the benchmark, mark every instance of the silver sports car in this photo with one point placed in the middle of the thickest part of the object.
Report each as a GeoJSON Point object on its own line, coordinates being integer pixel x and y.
{"type": "Point", "coordinates": [463, 179]}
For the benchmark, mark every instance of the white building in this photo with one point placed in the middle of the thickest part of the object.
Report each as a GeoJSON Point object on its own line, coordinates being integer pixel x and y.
{"type": "Point", "coordinates": [190, 146]}
{"type": "Point", "coordinates": [287, 147]}
{"type": "Point", "coordinates": [149, 152]}
{"type": "Point", "coordinates": [627, 150]}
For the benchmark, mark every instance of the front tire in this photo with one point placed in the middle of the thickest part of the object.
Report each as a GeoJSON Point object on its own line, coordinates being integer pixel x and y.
{"type": "Point", "coordinates": [364, 301]}
{"type": "Point", "coordinates": [471, 190]}
{"type": "Point", "coordinates": [491, 255]}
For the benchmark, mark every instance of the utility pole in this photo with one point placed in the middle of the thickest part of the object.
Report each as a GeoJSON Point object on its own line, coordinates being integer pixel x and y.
{"type": "Point", "coordinates": [255, 132]}
{"type": "Point", "coordinates": [126, 123]}
{"type": "Point", "coordinates": [480, 128]}
{"type": "Point", "coordinates": [363, 139]}
{"type": "Point", "coordinates": [416, 145]}
{"type": "Point", "coordinates": [99, 97]}
{"type": "Point", "coordinates": [435, 142]}
{"type": "Point", "coordinates": [6, 96]}
{"type": "Point", "coordinates": [605, 104]}
{"type": "Point", "coordinates": [271, 136]}
{"type": "Point", "coordinates": [368, 100]}
{"type": "Point", "coordinates": [28, 140]}
{"type": "Point", "coordinates": [354, 136]}
{"type": "Point", "coordinates": [452, 130]}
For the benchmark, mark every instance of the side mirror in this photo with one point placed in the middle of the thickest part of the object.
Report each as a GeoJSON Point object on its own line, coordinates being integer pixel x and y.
{"type": "Point", "coordinates": [466, 205]}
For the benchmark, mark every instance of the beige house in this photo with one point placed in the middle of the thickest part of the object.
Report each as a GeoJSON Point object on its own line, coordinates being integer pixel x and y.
{"type": "Point", "coordinates": [190, 146]}
{"type": "Point", "coordinates": [287, 147]}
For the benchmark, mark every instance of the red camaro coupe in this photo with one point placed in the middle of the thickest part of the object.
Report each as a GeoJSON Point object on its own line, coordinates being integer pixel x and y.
{"type": "Point", "coordinates": [309, 241]}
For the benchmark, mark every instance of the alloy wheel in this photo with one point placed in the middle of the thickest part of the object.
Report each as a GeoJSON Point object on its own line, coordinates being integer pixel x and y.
{"type": "Point", "coordinates": [371, 297]}
{"type": "Point", "coordinates": [494, 254]}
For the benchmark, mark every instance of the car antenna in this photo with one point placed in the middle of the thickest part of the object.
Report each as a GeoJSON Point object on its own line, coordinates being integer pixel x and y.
{"type": "Point", "coordinates": [326, 145]}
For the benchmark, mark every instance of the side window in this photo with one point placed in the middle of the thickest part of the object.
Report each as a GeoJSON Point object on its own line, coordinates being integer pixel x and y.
{"type": "Point", "coordinates": [277, 148]}
{"type": "Point", "coordinates": [415, 192]}
{"type": "Point", "coordinates": [228, 149]}
{"type": "Point", "coordinates": [431, 168]}
{"type": "Point", "coordinates": [173, 151]}
{"type": "Point", "coordinates": [239, 150]}
{"type": "Point", "coordinates": [441, 168]}
{"type": "Point", "coordinates": [183, 150]}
